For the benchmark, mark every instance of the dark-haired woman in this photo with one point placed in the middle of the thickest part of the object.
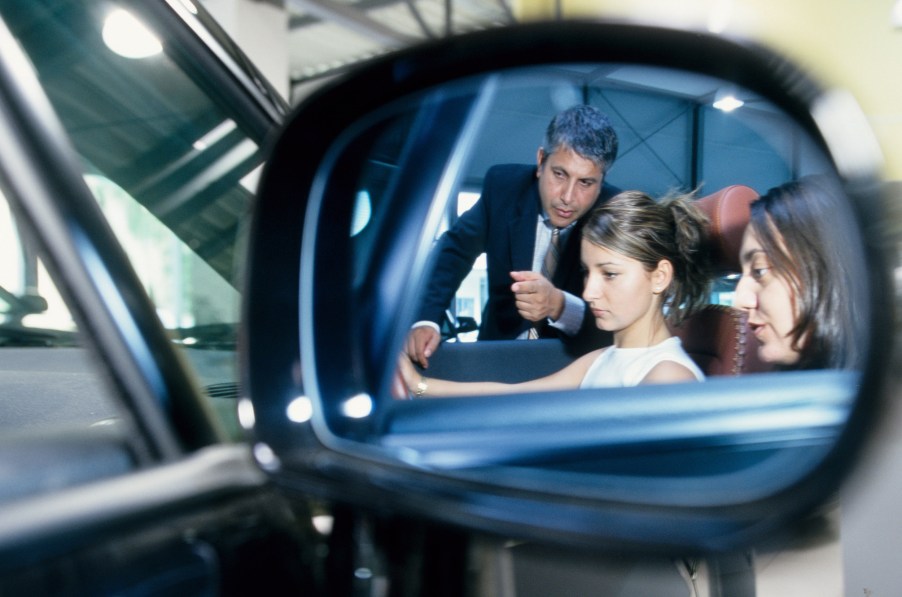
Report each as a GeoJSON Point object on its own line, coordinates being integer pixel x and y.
{"type": "Point", "coordinates": [795, 284]}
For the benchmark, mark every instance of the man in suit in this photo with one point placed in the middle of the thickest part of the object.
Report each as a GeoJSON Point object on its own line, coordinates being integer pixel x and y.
{"type": "Point", "coordinates": [520, 210]}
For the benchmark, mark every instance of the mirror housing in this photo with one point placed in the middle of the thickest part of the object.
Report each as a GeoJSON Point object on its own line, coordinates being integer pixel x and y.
{"type": "Point", "coordinates": [298, 282]}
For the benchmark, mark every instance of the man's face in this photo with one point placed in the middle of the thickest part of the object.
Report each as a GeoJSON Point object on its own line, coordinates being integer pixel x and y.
{"type": "Point", "coordinates": [568, 184]}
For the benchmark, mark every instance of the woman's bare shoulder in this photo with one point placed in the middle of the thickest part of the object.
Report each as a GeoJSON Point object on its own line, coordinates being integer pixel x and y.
{"type": "Point", "coordinates": [669, 372]}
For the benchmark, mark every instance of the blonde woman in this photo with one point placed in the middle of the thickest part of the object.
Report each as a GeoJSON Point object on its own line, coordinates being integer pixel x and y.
{"type": "Point", "coordinates": [644, 268]}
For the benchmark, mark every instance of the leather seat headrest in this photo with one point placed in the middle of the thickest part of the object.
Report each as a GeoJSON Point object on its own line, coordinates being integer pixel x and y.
{"type": "Point", "coordinates": [729, 212]}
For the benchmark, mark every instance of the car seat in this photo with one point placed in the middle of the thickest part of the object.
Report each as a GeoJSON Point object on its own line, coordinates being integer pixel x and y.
{"type": "Point", "coordinates": [717, 337]}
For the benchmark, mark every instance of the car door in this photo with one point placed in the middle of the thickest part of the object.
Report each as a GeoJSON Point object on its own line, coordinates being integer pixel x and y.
{"type": "Point", "coordinates": [123, 468]}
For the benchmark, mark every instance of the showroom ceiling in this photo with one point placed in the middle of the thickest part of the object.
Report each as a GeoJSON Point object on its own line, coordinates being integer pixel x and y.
{"type": "Point", "coordinates": [327, 36]}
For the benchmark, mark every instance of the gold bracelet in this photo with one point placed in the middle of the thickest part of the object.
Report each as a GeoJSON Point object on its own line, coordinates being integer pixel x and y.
{"type": "Point", "coordinates": [421, 387]}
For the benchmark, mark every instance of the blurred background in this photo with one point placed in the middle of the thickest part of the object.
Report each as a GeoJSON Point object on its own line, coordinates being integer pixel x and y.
{"type": "Point", "coordinates": [300, 44]}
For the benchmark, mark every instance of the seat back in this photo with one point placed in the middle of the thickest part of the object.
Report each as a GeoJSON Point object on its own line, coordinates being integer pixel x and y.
{"type": "Point", "coordinates": [717, 337]}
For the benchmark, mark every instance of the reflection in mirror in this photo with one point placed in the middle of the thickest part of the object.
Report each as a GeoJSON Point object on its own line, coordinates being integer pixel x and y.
{"type": "Point", "coordinates": [503, 164]}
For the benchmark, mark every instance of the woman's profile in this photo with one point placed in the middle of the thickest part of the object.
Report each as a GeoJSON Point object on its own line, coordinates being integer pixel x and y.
{"type": "Point", "coordinates": [796, 284]}
{"type": "Point", "coordinates": [644, 268]}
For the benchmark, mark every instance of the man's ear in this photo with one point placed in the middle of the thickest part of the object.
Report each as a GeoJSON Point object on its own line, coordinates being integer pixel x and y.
{"type": "Point", "coordinates": [540, 159]}
{"type": "Point", "coordinates": [662, 276]}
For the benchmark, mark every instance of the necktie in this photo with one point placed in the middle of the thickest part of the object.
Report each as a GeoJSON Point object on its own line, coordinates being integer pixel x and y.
{"type": "Point", "coordinates": [551, 256]}
{"type": "Point", "coordinates": [548, 267]}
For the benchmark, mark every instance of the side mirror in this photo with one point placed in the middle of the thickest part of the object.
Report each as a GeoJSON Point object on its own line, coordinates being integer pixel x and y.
{"type": "Point", "coordinates": [331, 293]}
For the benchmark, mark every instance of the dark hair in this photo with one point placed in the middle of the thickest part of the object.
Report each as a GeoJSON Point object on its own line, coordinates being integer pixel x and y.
{"type": "Point", "coordinates": [587, 131]}
{"type": "Point", "coordinates": [800, 229]}
{"type": "Point", "coordinates": [633, 224]}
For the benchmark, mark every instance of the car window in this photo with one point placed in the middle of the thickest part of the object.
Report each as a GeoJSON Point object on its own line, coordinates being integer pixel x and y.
{"type": "Point", "coordinates": [171, 162]}
{"type": "Point", "coordinates": [48, 377]}
{"type": "Point", "coordinates": [60, 423]}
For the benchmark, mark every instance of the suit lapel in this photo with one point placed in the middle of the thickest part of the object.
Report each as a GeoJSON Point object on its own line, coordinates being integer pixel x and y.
{"type": "Point", "coordinates": [522, 231]}
{"type": "Point", "coordinates": [569, 260]}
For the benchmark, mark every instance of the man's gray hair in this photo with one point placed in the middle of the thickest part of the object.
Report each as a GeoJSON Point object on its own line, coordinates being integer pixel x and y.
{"type": "Point", "coordinates": [587, 131]}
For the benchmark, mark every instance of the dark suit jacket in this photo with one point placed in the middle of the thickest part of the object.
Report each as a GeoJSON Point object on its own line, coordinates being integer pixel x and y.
{"type": "Point", "coordinates": [502, 224]}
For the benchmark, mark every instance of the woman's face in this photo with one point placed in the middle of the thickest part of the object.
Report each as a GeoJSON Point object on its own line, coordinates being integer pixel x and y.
{"type": "Point", "coordinates": [768, 299]}
{"type": "Point", "coordinates": [621, 294]}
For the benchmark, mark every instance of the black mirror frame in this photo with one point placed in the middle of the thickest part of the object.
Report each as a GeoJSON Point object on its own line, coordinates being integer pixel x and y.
{"type": "Point", "coordinates": [277, 282]}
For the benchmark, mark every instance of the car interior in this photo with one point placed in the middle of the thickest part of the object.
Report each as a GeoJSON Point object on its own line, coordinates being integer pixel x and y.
{"type": "Point", "coordinates": [717, 337]}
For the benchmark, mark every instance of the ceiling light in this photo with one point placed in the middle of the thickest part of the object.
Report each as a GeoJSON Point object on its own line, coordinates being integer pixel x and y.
{"type": "Point", "coordinates": [129, 37]}
{"type": "Point", "coordinates": [727, 102]}
{"type": "Point", "coordinates": [218, 132]}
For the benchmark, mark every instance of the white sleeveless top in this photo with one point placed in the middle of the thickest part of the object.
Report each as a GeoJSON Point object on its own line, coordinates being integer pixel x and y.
{"type": "Point", "coordinates": [621, 367]}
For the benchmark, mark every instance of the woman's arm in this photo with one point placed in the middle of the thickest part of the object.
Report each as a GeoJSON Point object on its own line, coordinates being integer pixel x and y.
{"type": "Point", "coordinates": [429, 387]}
{"type": "Point", "coordinates": [668, 372]}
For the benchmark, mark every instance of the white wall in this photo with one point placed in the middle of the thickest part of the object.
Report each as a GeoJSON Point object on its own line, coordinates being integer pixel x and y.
{"type": "Point", "coordinates": [261, 30]}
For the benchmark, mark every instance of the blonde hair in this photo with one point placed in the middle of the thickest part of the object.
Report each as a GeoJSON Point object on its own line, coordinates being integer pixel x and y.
{"type": "Point", "coordinates": [635, 225]}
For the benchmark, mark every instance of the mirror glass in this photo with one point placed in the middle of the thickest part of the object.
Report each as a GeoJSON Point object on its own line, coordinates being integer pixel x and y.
{"type": "Point", "coordinates": [778, 355]}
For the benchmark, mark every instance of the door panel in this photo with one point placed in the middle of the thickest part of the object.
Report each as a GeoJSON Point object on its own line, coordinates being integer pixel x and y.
{"type": "Point", "coordinates": [208, 525]}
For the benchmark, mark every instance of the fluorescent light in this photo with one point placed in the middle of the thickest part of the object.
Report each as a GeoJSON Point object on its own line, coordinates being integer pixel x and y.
{"type": "Point", "coordinates": [129, 37]}
{"type": "Point", "coordinates": [218, 132]}
{"type": "Point", "coordinates": [728, 103]}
